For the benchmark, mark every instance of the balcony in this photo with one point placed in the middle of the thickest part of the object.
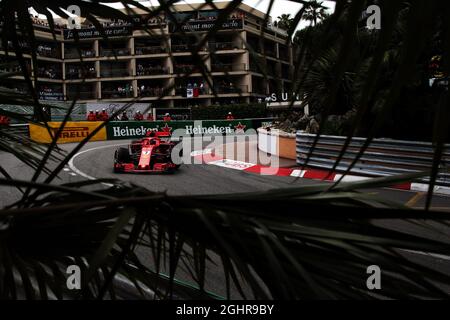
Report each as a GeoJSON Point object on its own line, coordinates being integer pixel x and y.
{"type": "Point", "coordinates": [84, 54]}
{"type": "Point", "coordinates": [115, 73]}
{"type": "Point", "coordinates": [186, 68]}
{"type": "Point", "coordinates": [270, 52]}
{"type": "Point", "coordinates": [232, 88]}
{"type": "Point", "coordinates": [150, 50]}
{"type": "Point", "coordinates": [49, 73]}
{"type": "Point", "coordinates": [180, 48]}
{"type": "Point", "coordinates": [115, 52]}
{"type": "Point", "coordinates": [221, 67]}
{"type": "Point", "coordinates": [151, 70]}
{"type": "Point", "coordinates": [117, 94]}
{"type": "Point", "coordinates": [216, 46]}
{"type": "Point", "coordinates": [182, 91]}
{"type": "Point", "coordinates": [82, 95]}
{"type": "Point", "coordinates": [79, 73]}
{"type": "Point", "coordinates": [50, 95]}
{"type": "Point", "coordinates": [284, 55]}
{"type": "Point", "coordinates": [22, 44]}
{"type": "Point", "coordinates": [48, 52]}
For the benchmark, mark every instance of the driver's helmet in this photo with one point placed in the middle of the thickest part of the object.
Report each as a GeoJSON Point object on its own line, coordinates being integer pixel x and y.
{"type": "Point", "coordinates": [150, 133]}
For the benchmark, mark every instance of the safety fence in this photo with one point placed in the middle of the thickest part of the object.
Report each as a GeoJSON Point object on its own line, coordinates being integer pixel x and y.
{"type": "Point", "coordinates": [383, 157]}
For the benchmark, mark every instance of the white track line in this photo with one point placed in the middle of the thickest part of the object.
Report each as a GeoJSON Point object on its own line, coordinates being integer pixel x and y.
{"type": "Point", "coordinates": [81, 173]}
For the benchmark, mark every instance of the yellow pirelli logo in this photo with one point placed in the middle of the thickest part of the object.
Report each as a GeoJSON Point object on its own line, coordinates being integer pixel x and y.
{"type": "Point", "coordinates": [72, 132]}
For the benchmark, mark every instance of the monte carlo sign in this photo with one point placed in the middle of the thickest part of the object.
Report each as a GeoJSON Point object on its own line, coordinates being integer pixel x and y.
{"type": "Point", "coordinates": [205, 25]}
{"type": "Point", "coordinates": [137, 129]}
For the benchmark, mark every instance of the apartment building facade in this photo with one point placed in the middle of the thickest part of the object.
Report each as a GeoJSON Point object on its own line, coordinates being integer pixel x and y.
{"type": "Point", "coordinates": [159, 66]}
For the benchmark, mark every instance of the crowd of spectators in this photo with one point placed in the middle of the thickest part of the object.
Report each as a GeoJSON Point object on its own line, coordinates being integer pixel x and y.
{"type": "Point", "coordinates": [196, 89]}
{"type": "Point", "coordinates": [43, 23]}
{"type": "Point", "coordinates": [186, 68]}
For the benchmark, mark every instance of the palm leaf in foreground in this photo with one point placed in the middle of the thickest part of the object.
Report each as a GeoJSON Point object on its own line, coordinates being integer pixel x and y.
{"type": "Point", "coordinates": [126, 234]}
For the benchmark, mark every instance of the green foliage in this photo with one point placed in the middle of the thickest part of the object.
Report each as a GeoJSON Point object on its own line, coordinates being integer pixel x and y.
{"type": "Point", "coordinates": [239, 111]}
{"type": "Point", "coordinates": [284, 21]}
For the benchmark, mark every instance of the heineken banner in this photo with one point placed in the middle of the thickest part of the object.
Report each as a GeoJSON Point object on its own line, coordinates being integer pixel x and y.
{"type": "Point", "coordinates": [137, 129]}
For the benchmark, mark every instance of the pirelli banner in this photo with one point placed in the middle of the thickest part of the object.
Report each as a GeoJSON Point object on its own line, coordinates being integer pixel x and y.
{"type": "Point", "coordinates": [137, 129]}
{"type": "Point", "coordinates": [72, 132]}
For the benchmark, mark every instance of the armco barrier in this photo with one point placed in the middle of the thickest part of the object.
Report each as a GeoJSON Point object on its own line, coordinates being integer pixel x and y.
{"type": "Point", "coordinates": [21, 129]}
{"type": "Point", "coordinates": [384, 157]}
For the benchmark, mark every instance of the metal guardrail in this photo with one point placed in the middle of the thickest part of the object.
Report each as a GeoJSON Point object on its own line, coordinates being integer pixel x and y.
{"type": "Point", "coordinates": [383, 157]}
{"type": "Point", "coordinates": [18, 129]}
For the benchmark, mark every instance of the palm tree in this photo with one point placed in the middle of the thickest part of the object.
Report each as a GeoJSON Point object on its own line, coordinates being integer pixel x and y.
{"type": "Point", "coordinates": [285, 21]}
{"type": "Point", "coordinates": [315, 11]}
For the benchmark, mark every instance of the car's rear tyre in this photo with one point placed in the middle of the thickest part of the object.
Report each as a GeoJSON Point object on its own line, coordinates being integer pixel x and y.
{"type": "Point", "coordinates": [123, 156]}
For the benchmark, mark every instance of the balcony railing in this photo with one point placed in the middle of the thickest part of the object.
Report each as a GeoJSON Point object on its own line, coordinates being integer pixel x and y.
{"type": "Point", "coordinates": [180, 48]}
{"type": "Point", "coordinates": [221, 67]}
{"type": "Point", "coordinates": [112, 94]}
{"type": "Point", "coordinates": [150, 92]}
{"type": "Point", "coordinates": [269, 52]}
{"type": "Point", "coordinates": [284, 55]}
{"type": "Point", "coordinates": [216, 46]}
{"type": "Point", "coordinates": [115, 73]}
{"type": "Point", "coordinates": [115, 52]}
{"type": "Point", "coordinates": [226, 89]}
{"type": "Point", "coordinates": [49, 74]}
{"type": "Point", "coordinates": [48, 52]}
{"type": "Point", "coordinates": [80, 74]}
{"type": "Point", "coordinates": [75, 55]}
{"type": "Point", "coordinates": [151, 70]}
{"type": "Point", "coordinates": [150, 50]}
{"type": "Point", "coordinates": [82, 95]}
{"type": "Point", "coordinates": [186, 69]}
{"type": "Point", "coordinates": [182, 91]}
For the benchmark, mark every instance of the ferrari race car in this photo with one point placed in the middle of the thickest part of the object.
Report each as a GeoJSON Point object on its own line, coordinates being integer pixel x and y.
{"type": "Point", "coordinates": [151, 154]}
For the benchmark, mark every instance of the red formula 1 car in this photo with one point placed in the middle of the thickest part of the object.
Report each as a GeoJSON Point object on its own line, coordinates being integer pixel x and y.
{"type": "Point", "coordinates": [151, 154]}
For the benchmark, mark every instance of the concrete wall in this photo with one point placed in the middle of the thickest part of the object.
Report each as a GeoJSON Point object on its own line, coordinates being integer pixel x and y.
{"type": "Point", "coordinates": [277, 143]}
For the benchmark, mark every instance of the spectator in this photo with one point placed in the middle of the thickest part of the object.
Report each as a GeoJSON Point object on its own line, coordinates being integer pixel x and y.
{"type": "Point", "coordinates": [4, 121]}
{"type": "Point", "coordinates": [124, 117]}
{"type": "Point", "coordinates": [91, 116]}
{"type": "Point", "coordinates": [167, 117]}
{"type": "Point", "coordinates": [138, 116]}
{"type": "Point", "coordinates": [230, 116]}
{"type": "Point", "coordinates": [97, 116]}
{"type": "Point", "coordinates": [104, 115]}
{"type": "Point", "coordinates": [150, 117]}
